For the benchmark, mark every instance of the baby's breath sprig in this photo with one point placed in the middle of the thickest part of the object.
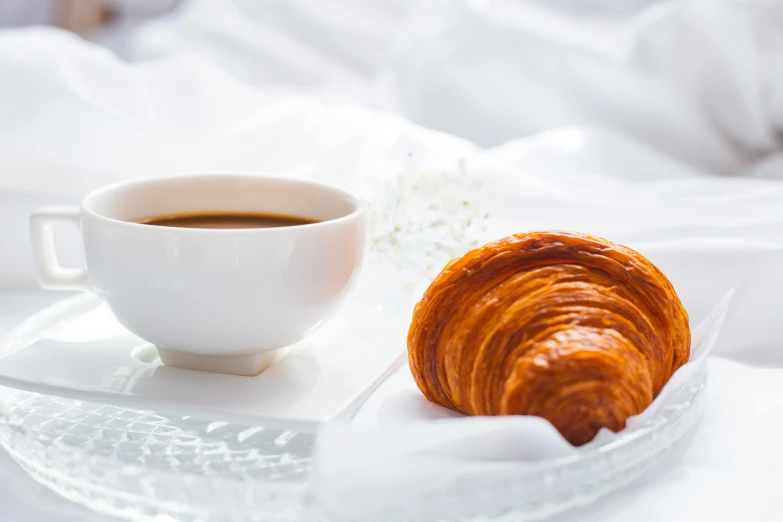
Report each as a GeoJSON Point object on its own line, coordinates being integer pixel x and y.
{"type": "Point", "coordinates": [425, 218]}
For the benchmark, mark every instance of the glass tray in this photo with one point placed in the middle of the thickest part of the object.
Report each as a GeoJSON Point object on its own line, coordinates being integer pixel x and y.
{"type": "Point", "coordinates": [141, 464]}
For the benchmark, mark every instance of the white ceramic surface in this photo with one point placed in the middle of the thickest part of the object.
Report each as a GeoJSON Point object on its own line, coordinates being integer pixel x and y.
{"type": "Point", "coordinates": [214, 300]}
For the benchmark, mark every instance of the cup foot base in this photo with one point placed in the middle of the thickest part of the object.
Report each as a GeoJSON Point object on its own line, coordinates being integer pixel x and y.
{"type": "Point", "coordinates": [247, 365]}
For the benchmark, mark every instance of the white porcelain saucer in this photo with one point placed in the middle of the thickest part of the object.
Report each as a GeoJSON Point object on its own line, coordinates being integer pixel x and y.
{"type": "Point", "coordinates": [77, 349]}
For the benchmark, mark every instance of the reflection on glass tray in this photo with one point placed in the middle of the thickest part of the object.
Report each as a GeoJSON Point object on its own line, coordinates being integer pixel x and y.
{"type": "Point", "coordinates": [136, 464]}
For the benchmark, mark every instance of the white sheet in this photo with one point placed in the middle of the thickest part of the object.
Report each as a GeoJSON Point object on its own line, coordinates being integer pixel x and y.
{"type": "Point", "coordinates": [698, 80]}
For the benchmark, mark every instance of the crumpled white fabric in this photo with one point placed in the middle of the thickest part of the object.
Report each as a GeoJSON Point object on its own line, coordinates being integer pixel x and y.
{"type": "Point", "coordinates": [699, 80]}
{"type": "Point", "coordinates": [74, 118]}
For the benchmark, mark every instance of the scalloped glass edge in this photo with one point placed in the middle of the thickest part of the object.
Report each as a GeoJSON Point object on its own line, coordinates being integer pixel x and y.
{"type": "Point", "coordinates": [531, 491]}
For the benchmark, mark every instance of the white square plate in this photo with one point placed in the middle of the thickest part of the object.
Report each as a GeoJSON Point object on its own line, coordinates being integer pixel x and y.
{"type": "Point", "coordinates": [77, 349]}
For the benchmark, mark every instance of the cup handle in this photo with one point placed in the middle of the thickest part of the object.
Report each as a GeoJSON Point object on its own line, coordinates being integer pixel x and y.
{"type": "Point", "coordinates": [51, 274]}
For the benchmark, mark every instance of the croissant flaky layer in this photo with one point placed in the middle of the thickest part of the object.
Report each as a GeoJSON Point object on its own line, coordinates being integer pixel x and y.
{"type": "Point", "coordinates": [564, 326]}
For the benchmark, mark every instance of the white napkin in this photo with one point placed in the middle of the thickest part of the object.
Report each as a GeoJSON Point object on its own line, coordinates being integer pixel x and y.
{"type": "Point", "coordinates": [357, 466]}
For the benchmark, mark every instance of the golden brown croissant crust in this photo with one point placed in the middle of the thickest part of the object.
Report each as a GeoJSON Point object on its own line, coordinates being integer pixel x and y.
{"type": "Point", "coordinates": [564, 326]}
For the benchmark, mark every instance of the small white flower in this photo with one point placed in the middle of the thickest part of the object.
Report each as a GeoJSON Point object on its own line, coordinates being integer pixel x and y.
{"type": "Point", "coordinates": [425, 219]}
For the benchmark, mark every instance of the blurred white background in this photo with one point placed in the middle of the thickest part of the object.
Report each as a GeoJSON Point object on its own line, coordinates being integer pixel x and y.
{"type": "Point", "coordinates": [696, 79]}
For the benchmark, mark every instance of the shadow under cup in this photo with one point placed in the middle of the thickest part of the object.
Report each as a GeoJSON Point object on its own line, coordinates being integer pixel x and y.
{"type": "Point", "coordinates": [222, 299]}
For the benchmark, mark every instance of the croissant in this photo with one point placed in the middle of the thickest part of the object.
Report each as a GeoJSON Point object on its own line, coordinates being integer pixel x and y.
{"type": "Point", "coordinates": [565, 326]}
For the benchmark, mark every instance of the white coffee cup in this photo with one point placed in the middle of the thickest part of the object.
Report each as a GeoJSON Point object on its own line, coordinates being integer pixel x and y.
{"type": "Point", "coordinates": [211, 299]}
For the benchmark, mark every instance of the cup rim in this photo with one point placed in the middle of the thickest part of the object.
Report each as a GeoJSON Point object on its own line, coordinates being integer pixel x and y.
{"type": "Point", "coordinates": [359, 204]}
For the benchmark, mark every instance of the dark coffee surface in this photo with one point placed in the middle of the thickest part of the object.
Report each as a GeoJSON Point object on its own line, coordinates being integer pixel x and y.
{"type": "Point", "coordinates": [226, 220]}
